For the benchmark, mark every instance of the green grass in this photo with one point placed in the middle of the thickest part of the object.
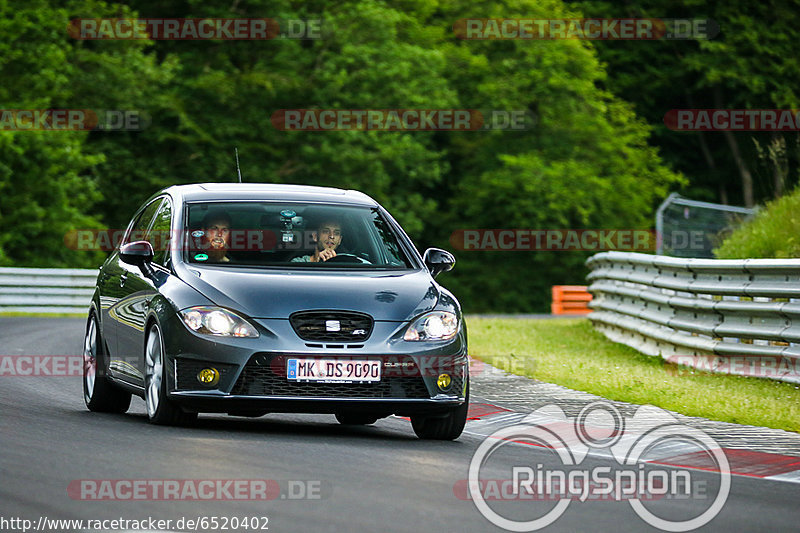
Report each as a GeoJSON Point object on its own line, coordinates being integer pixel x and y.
{"type": "Point", "coordinates": [569, 352]}
{"type": "Point", "coordinates": [773, 232]}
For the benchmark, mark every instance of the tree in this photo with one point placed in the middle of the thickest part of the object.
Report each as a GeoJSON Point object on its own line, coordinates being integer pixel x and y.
{"type": "Point", "coordinates": [748, 65]}
{"type": "Point", "coordinates": [585, 164]}
{"type": "Point", "coordinates": [46, 178]}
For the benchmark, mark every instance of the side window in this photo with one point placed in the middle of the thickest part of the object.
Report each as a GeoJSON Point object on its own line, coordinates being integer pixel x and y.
{"type": "Point", "coordinates": [142, 223]}
{"type": "Point", "coordinates": [391, 247]}
{"type": "Point", "coordinates": [159, 235]}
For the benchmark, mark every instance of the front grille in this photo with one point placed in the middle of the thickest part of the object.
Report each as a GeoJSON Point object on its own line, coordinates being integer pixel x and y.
{"type": "Point", "coordinates": [265, 375]}
{"type": "Point", "coordinates": [187, 370]}
{"type": "Point", "coordinates": [332, 326]}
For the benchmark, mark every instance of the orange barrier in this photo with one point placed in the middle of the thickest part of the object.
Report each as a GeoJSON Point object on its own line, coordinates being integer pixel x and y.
{"type": "Point", "coordinates": [570, 300]}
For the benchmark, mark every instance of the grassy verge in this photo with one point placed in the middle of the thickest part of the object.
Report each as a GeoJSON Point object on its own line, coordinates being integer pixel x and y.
{"type": "Point", "coordinates": [571, 353]}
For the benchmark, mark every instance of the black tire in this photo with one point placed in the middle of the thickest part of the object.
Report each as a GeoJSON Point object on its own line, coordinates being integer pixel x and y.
{"type": "Point", "coordinates": [448, 427]}
{"type": "Point", "coordinates": [160, 409]}
{"type": "Point", "coordinates": [99, 394]}
{"type": "Point", "coordinates": [355, 419]}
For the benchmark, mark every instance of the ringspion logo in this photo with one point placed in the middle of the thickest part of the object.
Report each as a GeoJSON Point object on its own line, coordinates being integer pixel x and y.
{"type": "Point", "coordinates": [633, 446]}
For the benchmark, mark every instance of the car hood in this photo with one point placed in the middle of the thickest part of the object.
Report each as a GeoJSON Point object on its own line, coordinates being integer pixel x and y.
{"type": "Point", "coordinates": [390, 296]}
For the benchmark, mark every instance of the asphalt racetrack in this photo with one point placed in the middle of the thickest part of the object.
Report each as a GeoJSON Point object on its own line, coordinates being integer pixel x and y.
{"type": "Point", "coordinates": [330, 477]}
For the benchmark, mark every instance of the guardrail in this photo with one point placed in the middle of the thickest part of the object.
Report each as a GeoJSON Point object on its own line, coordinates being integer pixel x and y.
{"type": "Point", "coordinates": [46, 290]}
{"type": "Point", "coordinates": [731, 316]}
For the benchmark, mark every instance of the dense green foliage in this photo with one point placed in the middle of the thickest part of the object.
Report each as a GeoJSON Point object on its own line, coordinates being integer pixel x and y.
{"type": "Point", "coordinates": [750, 64]}
{"type": "Point", "coordinates": [773, 232]}
{"type": "Point", "coordinates": [48, 179]}
{"type": "Point", "coordinates": [590, 161]}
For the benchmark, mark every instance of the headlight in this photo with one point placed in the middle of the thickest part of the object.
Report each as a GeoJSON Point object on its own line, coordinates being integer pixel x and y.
{"type": "Point", "coordinates": [217, 321]}
{"type": "Point", "coordinates": [434, 326]}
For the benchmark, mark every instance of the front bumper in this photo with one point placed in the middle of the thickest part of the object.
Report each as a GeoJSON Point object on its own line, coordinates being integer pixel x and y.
{"type": "Point", "coordinates": [257, 405]}
{"type": "Point", "coordinates": [253, 372]}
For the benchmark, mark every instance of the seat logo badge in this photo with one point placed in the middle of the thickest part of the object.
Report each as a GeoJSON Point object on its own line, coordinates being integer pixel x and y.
{"type": "Point", "coordinates": [332, 325]}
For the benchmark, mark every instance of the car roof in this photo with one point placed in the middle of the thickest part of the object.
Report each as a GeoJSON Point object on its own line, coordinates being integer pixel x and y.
{"type": "Point", "coordinates": [268, 192]}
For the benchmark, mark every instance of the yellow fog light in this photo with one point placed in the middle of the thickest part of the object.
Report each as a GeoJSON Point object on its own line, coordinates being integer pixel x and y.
{"type": "Point", "coordinates": [443, 381]}
{"type": "Point", "coordinates": [208, 376]}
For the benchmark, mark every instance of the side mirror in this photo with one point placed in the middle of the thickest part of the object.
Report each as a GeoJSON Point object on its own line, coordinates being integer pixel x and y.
{"type": "Point", "coordinates": [438, 261]}
{"type": "Point", "coordinates": [137, 253]}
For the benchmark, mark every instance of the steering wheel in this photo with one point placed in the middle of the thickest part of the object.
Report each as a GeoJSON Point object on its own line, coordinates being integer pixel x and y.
{"type": "Point", "coordinates": [347, 258]}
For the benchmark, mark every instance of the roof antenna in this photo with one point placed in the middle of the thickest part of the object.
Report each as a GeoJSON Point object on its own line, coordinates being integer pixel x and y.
{"type": "Point", "coordinates": [238, 170]}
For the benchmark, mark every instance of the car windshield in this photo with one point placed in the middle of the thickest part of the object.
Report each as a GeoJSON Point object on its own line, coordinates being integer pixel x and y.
{"type": "Point", "coordinates": [291, 235]}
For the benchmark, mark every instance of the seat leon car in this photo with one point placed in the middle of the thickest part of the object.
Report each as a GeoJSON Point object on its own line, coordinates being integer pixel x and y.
{"type": "Point", "coordinates": [248, 299]}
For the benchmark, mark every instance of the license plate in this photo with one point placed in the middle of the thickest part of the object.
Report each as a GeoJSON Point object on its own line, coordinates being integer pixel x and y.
{"type": "Point", "coordinates": [333, 370]}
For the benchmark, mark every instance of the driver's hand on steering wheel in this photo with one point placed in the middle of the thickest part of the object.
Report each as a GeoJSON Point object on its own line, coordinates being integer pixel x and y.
{"type": "Point", "coordinates": [326, 254]}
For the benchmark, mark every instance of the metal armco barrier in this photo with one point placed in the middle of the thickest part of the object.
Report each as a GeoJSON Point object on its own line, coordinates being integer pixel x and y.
{"type": "Point", "coordinates": [570, 300]}
{"type": "Point", "coordinates": [46, 290]}
{"type": "Point", "coordinates": [731, 316]}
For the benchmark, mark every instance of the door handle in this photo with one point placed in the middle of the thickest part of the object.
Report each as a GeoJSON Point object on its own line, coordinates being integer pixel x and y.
{"type": "Point", "coordinates": [122, 279]}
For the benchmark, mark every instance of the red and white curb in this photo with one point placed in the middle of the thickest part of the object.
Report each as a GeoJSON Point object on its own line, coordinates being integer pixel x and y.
{"type": "Point", "coordinates": [484, 419]}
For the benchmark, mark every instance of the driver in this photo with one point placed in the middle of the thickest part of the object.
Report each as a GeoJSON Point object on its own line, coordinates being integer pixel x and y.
{"type": "Point", "coordinates": [328, 237]}
{"type": "Point", "coordinates": [216, 234]}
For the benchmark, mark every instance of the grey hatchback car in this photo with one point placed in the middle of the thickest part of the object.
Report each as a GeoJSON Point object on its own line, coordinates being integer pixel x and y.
{"type": "Point", "coordinates": [249, 298]}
